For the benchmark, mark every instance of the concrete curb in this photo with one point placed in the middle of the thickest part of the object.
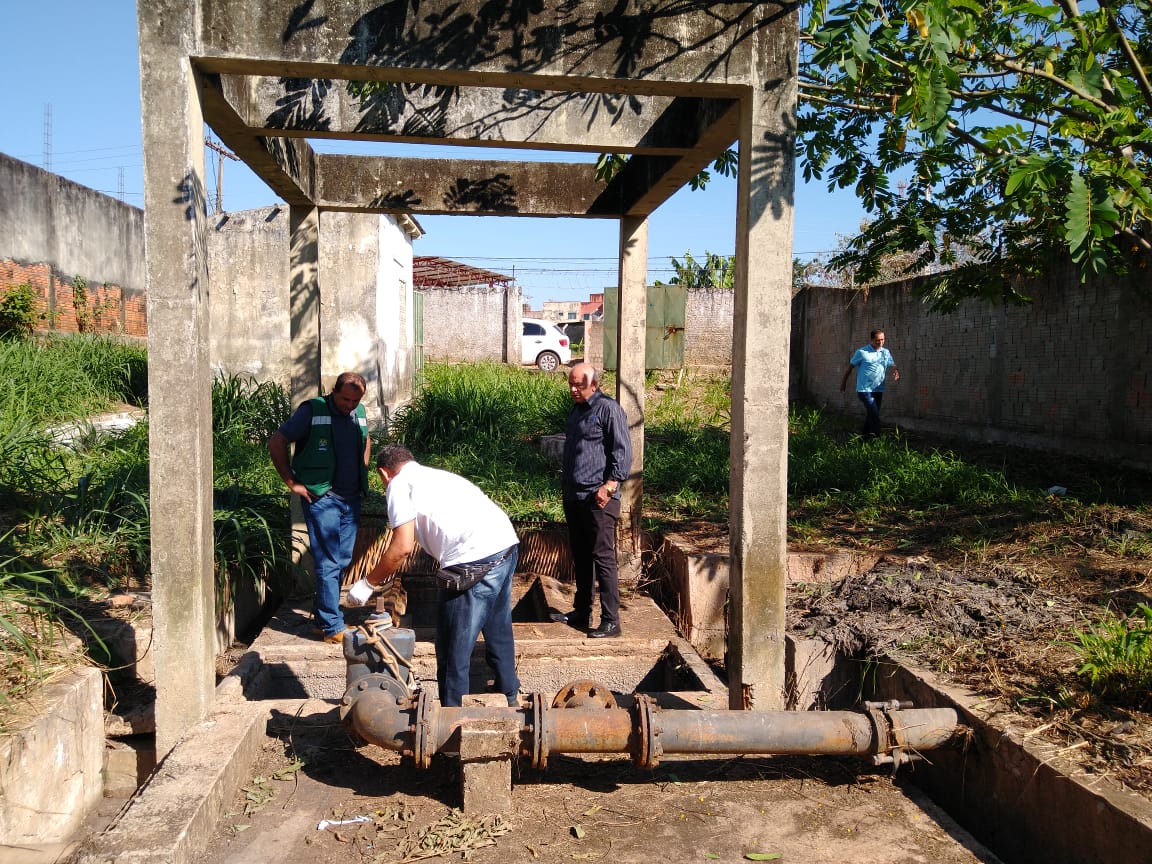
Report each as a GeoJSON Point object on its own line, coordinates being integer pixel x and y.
{"type": "Point", "coordinates": [1017, 795]}
{"type": "Point", "coordinates": [173, 816]}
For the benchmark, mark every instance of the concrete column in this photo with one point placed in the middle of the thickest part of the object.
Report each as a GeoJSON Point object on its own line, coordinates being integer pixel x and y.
{"type": "Point", "coordinates": [761, 321]}
{"type": "Point", "coordinates": [630, 384]}
{"type": "Point", "coordinates": [179, 374]}
{"type": "Point", "coordinates": [304, 336]}
{"type": "Point", "coordinates": [304, 329]}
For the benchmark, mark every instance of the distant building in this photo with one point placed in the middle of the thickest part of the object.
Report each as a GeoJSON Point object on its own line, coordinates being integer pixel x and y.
{"type": "Point", "coordinates": [562, 311]}
{"type": "Point", "coordinates": [569, 311]}
{"type": "Point", "coordinates": [593, 310]}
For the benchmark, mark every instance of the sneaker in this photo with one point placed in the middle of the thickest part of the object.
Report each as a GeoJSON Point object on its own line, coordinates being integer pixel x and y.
{"type": "Point", "coordinates": [606, 630]}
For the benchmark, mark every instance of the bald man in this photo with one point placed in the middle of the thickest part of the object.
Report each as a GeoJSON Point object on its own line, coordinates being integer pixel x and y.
{"type": "Point", "coordinates": [597, 459]}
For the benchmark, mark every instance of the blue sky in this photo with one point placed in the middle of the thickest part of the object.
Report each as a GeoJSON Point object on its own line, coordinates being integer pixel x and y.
{"type": "Point", "coordinates": [79, 59]}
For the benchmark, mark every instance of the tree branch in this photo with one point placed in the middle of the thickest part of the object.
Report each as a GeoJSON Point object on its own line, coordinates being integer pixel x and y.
{"type": "Point", "coordinates": [1136, 67]}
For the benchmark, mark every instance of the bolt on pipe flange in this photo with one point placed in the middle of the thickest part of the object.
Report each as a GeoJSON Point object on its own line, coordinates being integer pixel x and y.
{"type": "Point", "coordinates": [648, 751]}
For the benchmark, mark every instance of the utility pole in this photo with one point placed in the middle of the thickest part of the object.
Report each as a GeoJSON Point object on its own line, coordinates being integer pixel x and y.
{"type": "Point", "coordinates": [221, 153]}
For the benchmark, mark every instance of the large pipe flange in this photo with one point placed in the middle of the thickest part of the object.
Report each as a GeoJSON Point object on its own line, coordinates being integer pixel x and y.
{"type": "Point", "coordinates": [888, 727]}
{"type": "Point", "coordinates": [539, 732]}
{"type": "Point", "coordinates": [648, 750]}
{"type": "Point", "coordinates": [424, 744]}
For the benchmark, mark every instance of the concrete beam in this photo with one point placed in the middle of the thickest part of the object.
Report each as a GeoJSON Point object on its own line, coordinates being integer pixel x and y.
{"type": "Point", "coordinates": [447, 186]}
{"type": "Point", "coordinates": [179, 374]}
{"type": "Point", "coordinates": [758, 492]}
{"type": "Point", "coordinates": [484, 116]}
{"type": "Point", "coordinates": [286, 165]}
{"type": "Point", "coordinates": [593, 46]}
{"type": "Point", "coordinates": [645, 182]}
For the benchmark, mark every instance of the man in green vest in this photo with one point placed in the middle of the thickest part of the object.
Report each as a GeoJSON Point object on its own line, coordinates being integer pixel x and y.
{"type": "Point", "coordinates": [328, 469]}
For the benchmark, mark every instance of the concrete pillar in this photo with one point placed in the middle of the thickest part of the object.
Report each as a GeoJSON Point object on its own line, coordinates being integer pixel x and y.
{"type": "Point", "coordinates": [304, 306]}
{"type": "Point", "coordinates": [630, 384]}
{"type": "Point", "coordinates": [761, 322]}
{"type": "Point", "coordinates": [304, 336]}
{"type": "Point", "coordinates": [179, 374]}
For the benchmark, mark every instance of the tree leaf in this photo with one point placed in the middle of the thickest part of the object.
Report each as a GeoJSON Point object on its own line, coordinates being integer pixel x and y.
{"type": "Point", "coordinates": [763, 856]}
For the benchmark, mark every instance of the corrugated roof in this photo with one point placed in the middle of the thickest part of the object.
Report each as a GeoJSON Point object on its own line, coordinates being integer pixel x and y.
{"type": "Point", "coordinates": [430, 271]}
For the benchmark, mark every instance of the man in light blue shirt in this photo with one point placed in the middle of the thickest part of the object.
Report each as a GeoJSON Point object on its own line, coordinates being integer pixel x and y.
{"type": "Point", "coordinates": [871, 363]}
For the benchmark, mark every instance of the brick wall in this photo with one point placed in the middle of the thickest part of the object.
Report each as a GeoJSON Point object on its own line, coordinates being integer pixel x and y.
{"type": "Point", "coordinates": [53, 231]}
{"type": "Point", "coordinates": [105, 308]}
{"type": "Point", "coordinates": [1071, 372]}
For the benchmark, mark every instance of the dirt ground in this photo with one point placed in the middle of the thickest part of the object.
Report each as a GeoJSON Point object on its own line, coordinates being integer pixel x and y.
{"type": "Point", "coordinates": [741, 809]}
{"type": "Point", "coordinates": [1003, 632]}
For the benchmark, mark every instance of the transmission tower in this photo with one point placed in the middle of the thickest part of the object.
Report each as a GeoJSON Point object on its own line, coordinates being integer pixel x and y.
{"type": "Point", "coordinates": [120, 182]}
{"type": "Point", "coordinates": [47, 136]}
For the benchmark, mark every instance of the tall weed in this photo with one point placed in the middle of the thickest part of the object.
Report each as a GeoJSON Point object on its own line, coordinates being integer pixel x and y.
{"type": "Point", "coordinates": [1116, 657]}
{"type": "Point", "coordinates": [63, 378]}
{"type": "Point", "coordinates": [481, 421]}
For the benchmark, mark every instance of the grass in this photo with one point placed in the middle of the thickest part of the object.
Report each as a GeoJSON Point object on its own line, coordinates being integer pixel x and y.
{"type": "Point", "coordinates": [1116, 657]}
{"type": "Point", "coordinates": [482, 421]}
{"type": "Point", "coordinates": [76, 517]}
{"type": "Point", "coordinates": [58, 379]}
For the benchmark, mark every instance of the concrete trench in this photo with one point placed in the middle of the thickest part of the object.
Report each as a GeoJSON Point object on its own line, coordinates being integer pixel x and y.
{"type": "Point", "coordinates": [1016, 798]}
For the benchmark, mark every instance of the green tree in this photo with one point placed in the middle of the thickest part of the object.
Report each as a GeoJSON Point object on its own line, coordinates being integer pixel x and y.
{"type": "Point", "coordinates": [715, 271]}
{"type": "Point", "coordinates": [19, 312]}
{"type": "Point", "coordinates": [985, 138]}
{"type": "Point", "coordinates": [1014, 132]}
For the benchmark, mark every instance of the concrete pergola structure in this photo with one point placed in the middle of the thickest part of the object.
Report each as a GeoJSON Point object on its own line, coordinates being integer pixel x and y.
{"type": "Point", "coordinates": [672, 83]}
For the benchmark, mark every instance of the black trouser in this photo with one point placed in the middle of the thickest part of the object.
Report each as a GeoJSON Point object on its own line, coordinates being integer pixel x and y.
{"type": "Point", "coordinates": [592, 537]}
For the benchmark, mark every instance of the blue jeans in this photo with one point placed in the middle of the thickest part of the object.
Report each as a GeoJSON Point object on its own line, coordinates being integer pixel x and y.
{"type": "Point", "coordinates": [332, 525]}
{"type": "Point", "coordinates": [871, 400]}
{"type": "Point", "coordinates": [485, 608]}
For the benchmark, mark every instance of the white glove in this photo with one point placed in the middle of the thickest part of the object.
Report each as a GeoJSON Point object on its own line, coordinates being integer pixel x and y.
{"type": "Point", "coordinates": [360, 593]}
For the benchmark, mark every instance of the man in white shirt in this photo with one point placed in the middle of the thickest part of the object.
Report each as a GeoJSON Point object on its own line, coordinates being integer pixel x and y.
{"type": "Point", "coordinates": [470, 537]}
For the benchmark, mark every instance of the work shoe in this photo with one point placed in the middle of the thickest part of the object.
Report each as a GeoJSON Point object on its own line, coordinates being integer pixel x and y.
{"type": "Point", "coordinates": [606, 630]}
{"type": "Point", "coordinates": [337, 637]}
{"type": "Point", "coordinates": [571, 619]}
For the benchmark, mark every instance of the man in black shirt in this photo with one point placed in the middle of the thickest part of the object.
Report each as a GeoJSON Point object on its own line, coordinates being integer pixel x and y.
{"type": "Point", "coordinates": [597, 459]}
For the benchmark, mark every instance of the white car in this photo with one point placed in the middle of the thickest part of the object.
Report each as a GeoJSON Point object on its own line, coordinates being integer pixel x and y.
{"type": "Point", "coordinates": [543, 344]}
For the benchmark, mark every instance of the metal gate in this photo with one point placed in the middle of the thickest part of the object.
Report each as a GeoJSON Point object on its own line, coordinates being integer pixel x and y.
{"type": "Point", "coordinates": [663, 326]}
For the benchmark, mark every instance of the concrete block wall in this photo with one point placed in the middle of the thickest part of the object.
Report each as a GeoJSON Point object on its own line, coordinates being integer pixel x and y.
{"type": "Point", "coordinates": [52, 231]}
{"type": "Point", "coordinates": [708, 328]}
{"type": "Point", "coordinates": [1072, 372]}
{"type": "Point", "coordinates": [474, 323]}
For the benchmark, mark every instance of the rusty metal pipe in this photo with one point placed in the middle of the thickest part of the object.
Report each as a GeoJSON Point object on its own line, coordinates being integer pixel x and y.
{"type": "Point", "coordinates": [815, 733]}
{"type": "Point", "coordinates": [420, 727]}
